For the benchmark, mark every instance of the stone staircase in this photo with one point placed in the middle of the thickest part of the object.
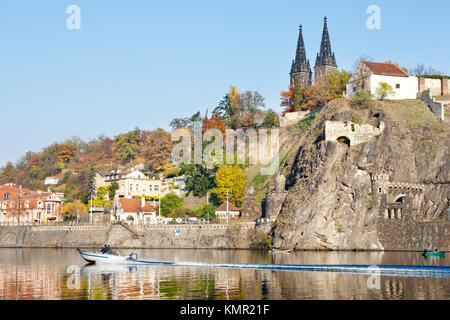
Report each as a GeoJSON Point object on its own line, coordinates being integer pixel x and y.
{"type": "Point", "coordinates": [136, 234]}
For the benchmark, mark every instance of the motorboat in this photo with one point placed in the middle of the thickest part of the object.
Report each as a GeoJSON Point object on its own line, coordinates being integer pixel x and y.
{"type": "Point", "coordinates": [99, 257]}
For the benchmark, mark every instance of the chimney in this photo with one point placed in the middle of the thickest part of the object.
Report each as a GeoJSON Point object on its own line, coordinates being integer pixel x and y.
{"type": "Point", "coordinates": [142, 202]}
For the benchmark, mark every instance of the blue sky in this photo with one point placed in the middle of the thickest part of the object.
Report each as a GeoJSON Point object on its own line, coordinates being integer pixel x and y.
{"type": "Point", "coordinates": [141, 63]}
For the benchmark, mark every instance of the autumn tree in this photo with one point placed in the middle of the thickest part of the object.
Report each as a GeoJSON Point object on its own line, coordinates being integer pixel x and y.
{"type": "Point", "coordinates": [234, 105]}
{"type": "Point", "coordinates": [231, 178]}
{"type": "Point", "coordinates": [67, 153]}
{"type": "Point", "coordinates": [8, 173]}
{"type": "Point", "coordinates": [287, 99]}
{"type": "Point", "coordinates": [213, 123]}
{"type": "Point", "coordinates": [72, 209]}
{"type": "Point", "coordinates": [156, 148]}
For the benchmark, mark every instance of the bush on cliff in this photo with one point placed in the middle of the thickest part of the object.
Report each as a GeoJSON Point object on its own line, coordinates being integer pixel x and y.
{"type": "Point", "coordinates": [362, 99]}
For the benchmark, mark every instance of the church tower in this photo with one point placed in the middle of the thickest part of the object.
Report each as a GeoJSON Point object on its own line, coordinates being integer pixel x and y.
{"type": "Point", "coordinates": [325, 61]}
{"type": "Point", "coordinates": [300, 69]}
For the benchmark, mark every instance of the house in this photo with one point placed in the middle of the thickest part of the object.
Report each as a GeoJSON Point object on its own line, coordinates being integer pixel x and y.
{"type": "Point", "coordinates": [221, 212]}
{"type": "Point", "coordinates": [368, 76]}
{"type": "Point", "coordinates": [133, 211]}
{"type": "Point", "coordinates": [20, 205]}
{"type": "Point", "coordinates": [135, 183]}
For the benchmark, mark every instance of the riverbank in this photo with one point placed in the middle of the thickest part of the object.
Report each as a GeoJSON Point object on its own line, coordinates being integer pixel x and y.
{"type": "Point", "coordinates": [392, 236]}
{"type": "Point", "coordinates": [213, 236]}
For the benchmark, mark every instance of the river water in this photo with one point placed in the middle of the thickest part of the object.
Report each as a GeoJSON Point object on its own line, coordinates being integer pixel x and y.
{"type": "Point", "coordinates": [61, 274]}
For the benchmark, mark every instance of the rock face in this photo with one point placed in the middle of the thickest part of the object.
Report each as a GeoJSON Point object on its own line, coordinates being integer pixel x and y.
{"type": "Point", "coordinates": [389, 192]}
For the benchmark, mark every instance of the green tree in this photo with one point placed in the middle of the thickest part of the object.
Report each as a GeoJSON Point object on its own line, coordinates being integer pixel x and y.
{"type": "Point", "coordinates": [271, 120]}
{"type": "Point", "coordinates": [299, 96]}
{"type": "Point", "coordinates": [204, 211]}
{"type": "Point", "coordinates": [126, 145]}
{"type": "Point", "coordinates": [336, 83]}
{"type": "Point", "coordinates": [91, 187]}
{"type": "Point", "coordinates": [112, 189]}
{"type": "Point", "coordinates": [170, 204]}
{"type": "Point", "coordinates": [232, 178]}
{"type": "Point", "coordinates": [199, 179]}
{"type": "Point", "coordinates": [384, 90]}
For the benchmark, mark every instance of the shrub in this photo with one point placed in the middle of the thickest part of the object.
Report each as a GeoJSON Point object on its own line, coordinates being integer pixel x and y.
{"type": "Point", "coordinates": [362, 99]}
{"type": "Point", "coordinates": [261, 240]}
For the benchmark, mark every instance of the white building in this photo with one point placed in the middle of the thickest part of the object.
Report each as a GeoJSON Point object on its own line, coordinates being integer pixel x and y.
{"type": "Point", "coordinates": [222, 215]}
{"type": "Point", "coordinates": [136, 183]}
{"type": "Point", "coordinates": [133, 211]}
{"type": "Point", "coordinates": [368, 76]}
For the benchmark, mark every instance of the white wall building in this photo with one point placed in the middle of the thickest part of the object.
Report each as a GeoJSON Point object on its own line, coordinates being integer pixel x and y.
{"type": "Point", "coordinates": [368, 76]}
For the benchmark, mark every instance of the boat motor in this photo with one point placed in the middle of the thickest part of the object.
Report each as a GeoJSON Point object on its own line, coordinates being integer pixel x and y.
{"type": "Point", "coordinates": [133, 256]}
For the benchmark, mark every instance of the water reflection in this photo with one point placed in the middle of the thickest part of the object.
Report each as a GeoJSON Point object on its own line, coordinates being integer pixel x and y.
{"type": "Point", "coordinates": [43, 274]}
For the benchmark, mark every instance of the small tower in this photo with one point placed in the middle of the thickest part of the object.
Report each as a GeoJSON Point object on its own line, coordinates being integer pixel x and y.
{"type": "Point", "coordinates": [301, 69]}
{"type": "Point", "coordinates": [325, 60]}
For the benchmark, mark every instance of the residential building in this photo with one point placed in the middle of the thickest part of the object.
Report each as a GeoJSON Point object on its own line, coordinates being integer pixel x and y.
{"type": "Point", "coordinates": [21, 205]}
{"type": "Point", "coordinates": [133, 211]}
{"type": "Point", "coordinates": [135, 183]}
{"type": "Point", "coordinates": [368, 76]}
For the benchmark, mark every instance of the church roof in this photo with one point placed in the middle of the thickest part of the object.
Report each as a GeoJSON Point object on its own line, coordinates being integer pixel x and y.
{"type": "Point", "coordinates": [386, 69]}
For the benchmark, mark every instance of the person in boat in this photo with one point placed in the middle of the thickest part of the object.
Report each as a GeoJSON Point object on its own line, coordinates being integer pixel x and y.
{"type": "Point", "coordinates": [436, 250]}
{"type": "Point", "coordinates": [106, 249]}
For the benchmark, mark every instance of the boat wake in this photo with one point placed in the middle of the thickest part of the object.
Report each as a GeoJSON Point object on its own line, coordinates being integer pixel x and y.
{"type": "Point", "coordinates": [388, 270]}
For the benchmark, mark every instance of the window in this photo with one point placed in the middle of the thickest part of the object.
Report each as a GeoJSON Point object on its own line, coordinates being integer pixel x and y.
{"type": "Point", "coordinates": [7, 196]}
{"type": "Point", "coordinates": [397, 86]}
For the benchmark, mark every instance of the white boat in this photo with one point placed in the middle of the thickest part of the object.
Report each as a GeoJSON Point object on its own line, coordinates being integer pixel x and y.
{"type": "Point", "coordinates": [98, 257]}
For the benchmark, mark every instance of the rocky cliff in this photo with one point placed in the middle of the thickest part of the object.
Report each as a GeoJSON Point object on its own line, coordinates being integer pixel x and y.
{"type": "Point", "coordinates": [389, 191]}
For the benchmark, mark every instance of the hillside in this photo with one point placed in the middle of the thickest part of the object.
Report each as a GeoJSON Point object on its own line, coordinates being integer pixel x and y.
{"type": "Point", "coordinates": [332, 199]}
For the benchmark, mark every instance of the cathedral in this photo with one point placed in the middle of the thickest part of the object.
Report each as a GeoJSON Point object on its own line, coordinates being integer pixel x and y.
{"type": "Point", "coordinates": [325, 60]}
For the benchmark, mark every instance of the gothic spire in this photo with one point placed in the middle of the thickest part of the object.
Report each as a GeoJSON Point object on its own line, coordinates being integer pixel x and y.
{"type": "Point", "coordinates": [300, 65]}
{"type": "Point", "coordinates": [325, 56]}
{"type": "Point", "coordinates": [300, 55]}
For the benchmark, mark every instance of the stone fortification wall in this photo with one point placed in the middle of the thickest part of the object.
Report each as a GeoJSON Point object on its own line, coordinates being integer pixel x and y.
{"type": "Point", "coordinates": [356, 133]}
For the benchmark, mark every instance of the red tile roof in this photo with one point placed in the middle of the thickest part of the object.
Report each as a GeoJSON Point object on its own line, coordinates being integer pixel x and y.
{"type": "Point", "coordinates": [134, 205]}
{"type": "Point", "coordinates": [231, 207]}
{"type": "Point", "coordinates": [386, 69]}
